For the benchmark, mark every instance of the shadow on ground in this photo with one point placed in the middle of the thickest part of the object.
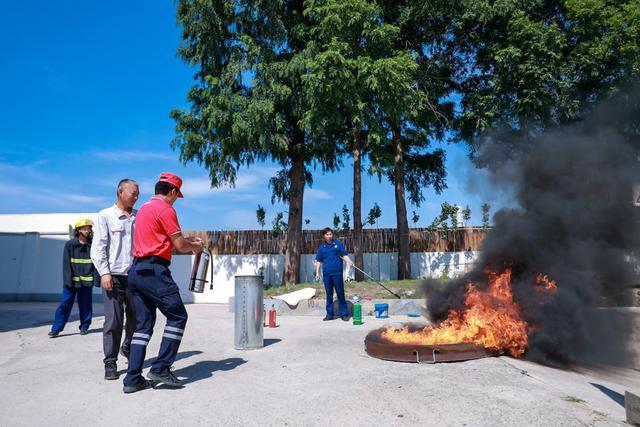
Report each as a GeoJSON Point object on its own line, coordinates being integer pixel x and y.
{"type": "Point", "coordinates": [181, 355]}
{"type": "Point", "coordinates": [69, 333]}
{"type": "Point", "coordinates": [149, 361]}
{"type": "Point", "coordinates": [205, 369]}
{"type": "Point", "coordinates": [271, 341]}
{"type": "Point", "coordinates": [613, 395]}
{"type": "Point", "coordinates": [22, 315]}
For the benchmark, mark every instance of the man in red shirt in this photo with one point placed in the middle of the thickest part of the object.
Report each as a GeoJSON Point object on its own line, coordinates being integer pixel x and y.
{"type": "Point", "coordinates": [155, 235]}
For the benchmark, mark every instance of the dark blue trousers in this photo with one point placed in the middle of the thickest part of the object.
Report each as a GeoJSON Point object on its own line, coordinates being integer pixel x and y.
{"type": "Point", "coordinates": [335, 281]}
{"type": "Point", "coordinates": [66, 304]}
{"type": "Point", "coordinates": [152, 287]}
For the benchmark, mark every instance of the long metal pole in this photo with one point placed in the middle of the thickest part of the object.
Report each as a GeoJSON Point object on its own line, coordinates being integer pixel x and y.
{"type": "Point", "coordinates": [366, 274]}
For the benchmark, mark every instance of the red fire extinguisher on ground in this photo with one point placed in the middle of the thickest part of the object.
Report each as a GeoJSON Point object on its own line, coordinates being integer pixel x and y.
{"type": "Point", "coordinates": [272, 317]}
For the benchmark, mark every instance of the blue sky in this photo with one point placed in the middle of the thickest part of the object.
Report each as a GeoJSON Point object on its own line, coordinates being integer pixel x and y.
{"type": "Point", "coordinates": [86, 90]}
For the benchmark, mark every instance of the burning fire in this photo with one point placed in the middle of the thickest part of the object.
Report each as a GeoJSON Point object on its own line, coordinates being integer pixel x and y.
{"type": "Point", "coordinates": [544, 284]}
{"type": "Point", "coordinates": [490, 318]}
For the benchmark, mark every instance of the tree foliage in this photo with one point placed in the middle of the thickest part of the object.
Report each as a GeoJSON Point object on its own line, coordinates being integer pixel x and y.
{"type": "Point", "coordinates": [345, 219]}
{"type": "Point", "coordinates": [535, 65]}
{"type": "Point", "coordinates": [466, 215]}
{"type": "Point", "coordinates": [486, 208]}
{"type": "Point", "coordinates": [336, 221]}
{"type": "Point", "coordinates": [248, 103]}
{"type": "Point", "coordinates": [415, 217]}
{"type": "Point", "coordinates": [374, 214]}
{"type": "Point", "coordinates": [303, 84]}
{"type": "Point", "coordinates": [261, 215]}
{"type": "Point", "coordinates": [278, 225]}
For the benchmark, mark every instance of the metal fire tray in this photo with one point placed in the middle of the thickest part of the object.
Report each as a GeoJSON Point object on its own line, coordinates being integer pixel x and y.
{"type": "Point", "coordinates": [379, 348]}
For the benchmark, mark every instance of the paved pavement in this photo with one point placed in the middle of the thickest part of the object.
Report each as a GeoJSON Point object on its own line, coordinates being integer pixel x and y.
{"type": "Point", "coordinates": [310, 373]}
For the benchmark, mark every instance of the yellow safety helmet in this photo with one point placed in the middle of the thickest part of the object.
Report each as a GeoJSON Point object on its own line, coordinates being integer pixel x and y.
{"type": "Point", "coordinates": [83, 223]}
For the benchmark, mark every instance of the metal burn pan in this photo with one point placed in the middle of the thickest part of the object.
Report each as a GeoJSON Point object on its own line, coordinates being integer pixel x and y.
{"type": "Point", "coordinates": [379, 348]}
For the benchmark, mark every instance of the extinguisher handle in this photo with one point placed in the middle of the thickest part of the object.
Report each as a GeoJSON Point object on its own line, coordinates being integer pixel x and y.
{"type": "Point", "coordinates": [211, 269]}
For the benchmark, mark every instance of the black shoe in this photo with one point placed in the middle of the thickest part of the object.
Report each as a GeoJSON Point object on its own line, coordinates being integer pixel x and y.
{"type": "Point", "coordinates": [345, 318]}
{"type": "Point", "coordinates": [165, 377]}
{"type": "Point", "coordinates": [53, 334]}
{"type": "Point", "coordinates": [111, 371]}
{"type": "Point", "coordinates": [83, 332]}
{"type": "Point", "coordinates": [326, 318]}
{"type": "Point", "coordinates": [125, 353]}
{"type": "Point", "coordinates": [142, 385]}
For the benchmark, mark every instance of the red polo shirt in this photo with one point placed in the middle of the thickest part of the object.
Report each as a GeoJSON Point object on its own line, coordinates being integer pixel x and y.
{"type": "Point", "coordinates": [155, 223]}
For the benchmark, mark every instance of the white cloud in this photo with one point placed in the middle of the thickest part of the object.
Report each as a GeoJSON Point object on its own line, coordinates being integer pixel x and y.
{"type": "Point", "coordinates": [248, 186]}
{"type": "Point", "coordinates": [31, 169]}
{"type": "Point", "coordinates": [240, 219]}
{"type": "Point", "coordinates": [196, 187]}
{"type": "Point", "coordinates": [133, 155]}
{"type": "Point", "coordinates": [83, 199]}
{"type": "Point", "coordinates": [31, 195]}
{"type": "Point", "coordinates": [315, 194]}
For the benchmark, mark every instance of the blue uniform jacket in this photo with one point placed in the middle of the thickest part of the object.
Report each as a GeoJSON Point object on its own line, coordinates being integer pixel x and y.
{"type": "Point", "coordinates": [330, 255]}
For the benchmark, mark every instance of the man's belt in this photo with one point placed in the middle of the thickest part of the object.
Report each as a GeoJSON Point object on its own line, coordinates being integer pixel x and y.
{"type": "Point", "coordinates": [153, 260]}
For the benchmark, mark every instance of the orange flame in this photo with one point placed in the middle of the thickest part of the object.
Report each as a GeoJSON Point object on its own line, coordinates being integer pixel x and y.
{"type": "Point", "coordinates": [490, 318]}
{"type": "Point", "coordinates": [544, 284]}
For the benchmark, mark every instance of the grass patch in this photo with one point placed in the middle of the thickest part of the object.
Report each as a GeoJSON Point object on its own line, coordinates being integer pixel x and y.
{"type": "Point", "coordinates": [573, 399]}
{"type": "Point", "coordinates": [409, 289]}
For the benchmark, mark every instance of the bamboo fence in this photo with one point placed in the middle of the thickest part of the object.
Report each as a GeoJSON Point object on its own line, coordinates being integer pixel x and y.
{"type": "Point", "coordinates": [251, 242]}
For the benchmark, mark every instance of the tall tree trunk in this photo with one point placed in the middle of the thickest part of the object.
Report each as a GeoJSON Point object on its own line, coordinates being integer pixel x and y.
{"type": "Point", "coordinates": [294, 228]}
{"type": "Point", "coordinates": [404, 259]}
{"type": "Point", "coordinates": [357, 202]}
{"type": "Point", "coordinates": [298, 168]}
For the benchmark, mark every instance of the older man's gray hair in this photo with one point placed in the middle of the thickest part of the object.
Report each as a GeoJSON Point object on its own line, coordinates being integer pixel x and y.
{"type": "Point", "coordinates": [122, 183]}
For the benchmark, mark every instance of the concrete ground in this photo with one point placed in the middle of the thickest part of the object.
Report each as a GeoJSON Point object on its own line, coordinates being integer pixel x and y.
{"type": "Point", "coordinates": [310, 373]}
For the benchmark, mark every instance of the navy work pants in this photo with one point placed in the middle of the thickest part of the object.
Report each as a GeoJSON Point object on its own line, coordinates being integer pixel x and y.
{"type": "Point", "coordinates": [152, 287]}
{"type": "Point", "coordinates": [335, 281]}
{"type": "Point", "coordinates": [66, 304]}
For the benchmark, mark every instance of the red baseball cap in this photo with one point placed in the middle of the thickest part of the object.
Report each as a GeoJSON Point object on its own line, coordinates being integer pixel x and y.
{"type": "Point", "coordinates": [172, 179]}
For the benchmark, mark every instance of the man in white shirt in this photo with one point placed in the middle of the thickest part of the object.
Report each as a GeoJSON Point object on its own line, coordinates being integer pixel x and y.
{"type": "Point", "coordinates": [112, 255]}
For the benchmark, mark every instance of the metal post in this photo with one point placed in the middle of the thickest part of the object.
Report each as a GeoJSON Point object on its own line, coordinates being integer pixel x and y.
{"type": "Point", "coordinates": [249, 297]}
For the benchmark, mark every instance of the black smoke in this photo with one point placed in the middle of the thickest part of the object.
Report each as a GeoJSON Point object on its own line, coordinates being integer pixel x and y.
{"type": "Point", "coordinates": [575, 221]}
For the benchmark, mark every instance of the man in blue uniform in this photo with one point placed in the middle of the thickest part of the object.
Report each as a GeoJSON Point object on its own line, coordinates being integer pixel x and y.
{"type": "Point", "coordinates": [78, 277]}
{"type": "Point", "coordinates": [155, 235]}
{"type": "Point", "coordinates": [330, 256]}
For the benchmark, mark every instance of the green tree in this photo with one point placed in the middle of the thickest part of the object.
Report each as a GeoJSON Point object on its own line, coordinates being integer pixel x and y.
{"type": "Point", "coordinates": [371, 72]}
{"type": "Point", "coordinates": [374, 214]}
{"type": "Point", "coordinates": [345, 219]}
{"type": "Point", "coordinates": [413, 84]}
{"type": "Point", "coordinates": [442, 221]}
{"type": "Point", "coordinates": [434, 226]}
{"type": "Point", "coordinates": [248, 103]}
{"type": "Point", "coordinates": [278, 225]}
{"type": "Point", "coordinates": [336, 221]}
{"type": "Point", "coordinates": [466, 215]}
{"type": "Point", "coordinates": [485, 215]}
{"type": "Point", "coordinates": [415, 217]}
{"type": "Point", "coordinates": [346, 40]}
{"type": "Point", "coordinates": [535, 65]}
{"type": "Point", "coordinates": [260, 216]}
{"type": "Point", "coordinates": [453, 215]}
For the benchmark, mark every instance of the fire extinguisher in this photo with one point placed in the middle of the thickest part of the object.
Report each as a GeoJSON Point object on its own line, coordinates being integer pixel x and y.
{"type": "Point", "coordinates": [264, 316]}
{"type": "Point", "coordinates": [272, 317]}
{"type": "Point", "coordinates": [357, 314]}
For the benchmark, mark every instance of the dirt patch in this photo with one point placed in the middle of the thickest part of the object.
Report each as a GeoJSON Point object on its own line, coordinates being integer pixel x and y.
{"type": "Point", "coordinates": [407, 289]}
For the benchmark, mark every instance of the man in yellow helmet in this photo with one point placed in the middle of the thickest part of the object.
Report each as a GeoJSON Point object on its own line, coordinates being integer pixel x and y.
{"type": "Point", "coordinates": [78, 277]}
